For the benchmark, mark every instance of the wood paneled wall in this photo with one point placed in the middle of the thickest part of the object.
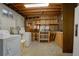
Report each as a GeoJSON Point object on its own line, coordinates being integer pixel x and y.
{"type": "Point", "coordinates": [68, 28]}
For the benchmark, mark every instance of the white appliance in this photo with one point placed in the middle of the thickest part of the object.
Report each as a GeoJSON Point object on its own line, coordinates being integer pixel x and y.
{"type": "Point", "coordinates": [27, 38]}
{"type": "Point", "coordinates": [76, 33]}
{"type": "Point", "coordinates": [9, 44]}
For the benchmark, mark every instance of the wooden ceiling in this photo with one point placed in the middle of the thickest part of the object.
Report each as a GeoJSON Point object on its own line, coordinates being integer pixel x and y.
{"type": "Point", "coordinates": [52, 9]}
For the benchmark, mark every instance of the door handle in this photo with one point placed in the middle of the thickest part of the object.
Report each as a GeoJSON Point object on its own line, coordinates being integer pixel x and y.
{"type": "Point", "coordinates": [76, 30]}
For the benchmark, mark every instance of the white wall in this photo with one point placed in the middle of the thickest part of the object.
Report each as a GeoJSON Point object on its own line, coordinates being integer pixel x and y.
{"type": "Point", "coordinates": [7, 22]}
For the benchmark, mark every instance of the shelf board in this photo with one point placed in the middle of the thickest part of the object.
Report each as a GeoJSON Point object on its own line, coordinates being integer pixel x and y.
{"type": "Point", "coordinates": [44, 39]}
{"type": "Point", "coordinates": [48, 24]}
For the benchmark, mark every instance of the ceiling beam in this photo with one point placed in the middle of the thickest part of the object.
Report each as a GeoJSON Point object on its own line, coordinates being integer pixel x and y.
{"type": "Point", "coordinates": [40, 10]}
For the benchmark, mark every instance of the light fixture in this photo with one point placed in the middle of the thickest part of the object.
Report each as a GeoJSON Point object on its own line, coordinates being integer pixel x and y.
{"type": "Point", "coordinates": [36, 5]}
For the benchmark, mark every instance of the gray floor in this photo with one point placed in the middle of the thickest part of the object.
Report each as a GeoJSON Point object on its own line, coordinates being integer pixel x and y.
{"type": "Point", "coordinates": [43, 49]}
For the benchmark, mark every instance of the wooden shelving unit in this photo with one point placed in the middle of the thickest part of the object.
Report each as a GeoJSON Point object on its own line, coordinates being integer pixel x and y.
{"type": "Point", "coordinates": [52, 22]}
{"type": "Point", "coordinates": [35, 36]}
{"type": "Point", "coordinates": [44, 36]}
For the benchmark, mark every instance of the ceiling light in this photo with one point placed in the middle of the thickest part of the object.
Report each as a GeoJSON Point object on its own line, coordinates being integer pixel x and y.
{"type": "Point", "coordinates": [36, 5]}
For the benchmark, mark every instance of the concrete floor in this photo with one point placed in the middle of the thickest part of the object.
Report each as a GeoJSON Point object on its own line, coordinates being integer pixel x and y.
{"type": "Point", "coordinates": [42, 49]}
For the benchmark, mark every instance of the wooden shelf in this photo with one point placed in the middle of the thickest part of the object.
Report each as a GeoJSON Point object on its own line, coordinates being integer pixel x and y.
{"type": "Point", "coordinates": [52, 22]}
{"type": "Point", "coordinates": [46, 24]}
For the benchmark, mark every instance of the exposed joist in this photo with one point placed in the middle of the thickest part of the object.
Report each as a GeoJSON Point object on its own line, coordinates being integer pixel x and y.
{"type": "Point", "coordinates": [41, 10]}
{"type": "Point", "coordinates": [43, 14]}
